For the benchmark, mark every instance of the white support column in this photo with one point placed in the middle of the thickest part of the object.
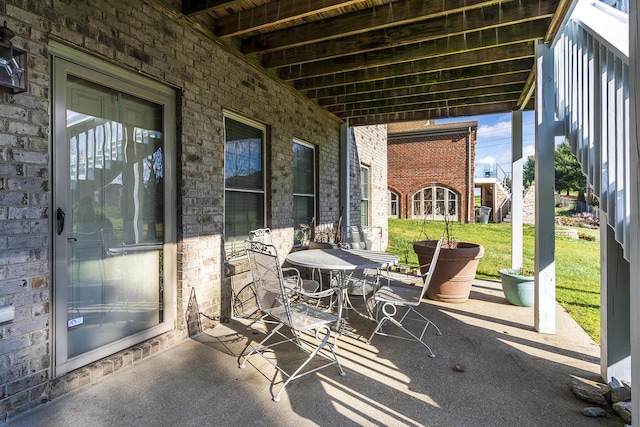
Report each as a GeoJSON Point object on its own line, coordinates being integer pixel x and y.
{"type": "Point", "coordinates": [634, 159]}
{"type": "Point", "coordinates": [545, 267]}
{"type": "Point", "coordinates": [345, 172]}
{"type": "Point", "coordinates": [516, 189]}
{"type": "Point", "coordinates": [615, 360]}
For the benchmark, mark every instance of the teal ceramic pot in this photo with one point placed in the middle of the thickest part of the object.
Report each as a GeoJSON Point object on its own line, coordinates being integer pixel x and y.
{"type": "Point", "coordinates": [518, 289]}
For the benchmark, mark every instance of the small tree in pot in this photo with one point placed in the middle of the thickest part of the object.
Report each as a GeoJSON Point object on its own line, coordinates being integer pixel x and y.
{"type": "Point", "coordinates": [403, 245]}
{"type": "Point", "coordinates": [455, 269]}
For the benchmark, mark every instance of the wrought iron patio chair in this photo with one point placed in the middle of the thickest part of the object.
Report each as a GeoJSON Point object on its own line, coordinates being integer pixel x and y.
{"type": "Point", "coordinates": [362, 237]}
{"type": "Point", "coordinates": [389, 298]}
{"type": "Point", "coordinates": [362, 283]}
{"type": "Point", "coordinates": [291, 275]}
{"type": "Point", "coordinates": [280, 303]}
{"type": "Point", "coordinates": [264, 235]}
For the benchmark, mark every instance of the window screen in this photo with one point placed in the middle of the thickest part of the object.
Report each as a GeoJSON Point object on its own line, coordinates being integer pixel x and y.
{"type": "Point", "coordinates": [244, 205]}
{"type": "Point", "coordinates": [304, 197]}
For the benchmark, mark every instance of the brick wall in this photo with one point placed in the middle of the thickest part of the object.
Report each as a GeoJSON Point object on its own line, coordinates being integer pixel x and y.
{"type": "Point", "coordinates": [443, 159]}
{"type": "Point", "coordinates": [142, 36]}
{"type": "Point", "coordinates": [369, 148]}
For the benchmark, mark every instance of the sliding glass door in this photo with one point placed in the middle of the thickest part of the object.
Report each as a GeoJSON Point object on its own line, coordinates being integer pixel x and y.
{"type": "Point", "coordinates": [111, 163]}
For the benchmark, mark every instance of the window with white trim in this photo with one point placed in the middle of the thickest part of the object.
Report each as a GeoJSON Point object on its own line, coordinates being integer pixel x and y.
{"type": "Point", "coordinates": [364, 195]}
{"type": "Point", "coordinates": [394, 205]}
{"type": "Point", "coordinates": [304, 190]}
{"type": "Point", "coordinates": [244, 181]}
{"type": "Point", "coordinates": [435, 203]}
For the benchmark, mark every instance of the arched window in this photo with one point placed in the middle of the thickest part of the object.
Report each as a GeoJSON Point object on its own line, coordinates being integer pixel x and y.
{"type": "Point", "coordinates": [394, 204]}
{"type": "Point", "coordinates": [435, 203]}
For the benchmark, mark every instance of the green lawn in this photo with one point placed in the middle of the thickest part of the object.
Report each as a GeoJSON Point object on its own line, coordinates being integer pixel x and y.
{"type": "Point", "coordinates": [577, 261]}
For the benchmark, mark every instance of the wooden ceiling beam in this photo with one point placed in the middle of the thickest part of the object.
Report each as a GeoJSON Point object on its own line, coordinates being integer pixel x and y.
{"type": "Point", "coordinates": [376, 61]}
{"type": "Point", "coordinates": [274, 13]}
{"type": "Point", "coordinates": [432, 114]}
{"type": "Point", "coordinates": [443, 104]}
{"type": "Point", "coordinates": [479, 95]}
{"type": "Point", "coordinates": [527, 31]}
{"type": "Point", "coordinates": [428, 101]}
{"type": "Point", "coordinates": [421, 79]}
{"type": "Point", "coordinates": [441, 63]}
{"type": "Point", "coordinates": [529, 88]}
{"type": "Point", "coordinates": [363, 22]}
{"type": "Point", "coordinates": [198, 7]}
{"type": "Point", "coordinates": [440, 89]}
{"type": "Point", "coordinates": [458, 26]}
{"type": "Point", "coordinates": [564, 6]}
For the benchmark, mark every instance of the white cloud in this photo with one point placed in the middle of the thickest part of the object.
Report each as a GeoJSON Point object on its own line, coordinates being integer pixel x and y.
{"type": "Point", "coordinates": [504, 159]}
{"type": "Point", "coordinates": [496, 130]}
{"type": "Point", "coordinates": [493, 145]}
{"type": "Point", "coordinates": [528, 150]}
{"type": "Point", "coordinates": [488, 160]}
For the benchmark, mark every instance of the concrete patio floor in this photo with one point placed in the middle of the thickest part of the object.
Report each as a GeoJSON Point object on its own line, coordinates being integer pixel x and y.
{"type": "Point", "coordinates": [513, 376]}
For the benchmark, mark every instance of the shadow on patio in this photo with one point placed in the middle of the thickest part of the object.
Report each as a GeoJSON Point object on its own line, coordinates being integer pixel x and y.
{"type": "Point", "coordinates": [512, 376]}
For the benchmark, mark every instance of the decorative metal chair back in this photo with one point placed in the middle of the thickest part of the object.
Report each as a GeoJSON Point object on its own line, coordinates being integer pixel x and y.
{"type": "Point", "coordinates": [432, 267]}
{"type": "Point", "coordinates": [362, 283]}
{"type": "Point", "coordinates": [244, 298]}
{"type": "Point", "coordinates": [264, 235]}
{"type": "Point", "coordinates": [389, 298]}
{"type": "Point", "coordinates": [261, 235]}
{"type": "Point", "coordinates": [268, 279]}
{"type": "Point", "coordinates": [362, 237]}
{"type": "Point", "coordinates": [285, 306]}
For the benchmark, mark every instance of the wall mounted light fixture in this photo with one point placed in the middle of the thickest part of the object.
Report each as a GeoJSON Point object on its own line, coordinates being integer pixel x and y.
{"type": "Point", "coordinates": [13, 72]}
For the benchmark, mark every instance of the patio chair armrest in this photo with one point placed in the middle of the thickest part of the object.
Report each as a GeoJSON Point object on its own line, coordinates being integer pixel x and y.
{"type": "Point", "coordinates": [330, 292]}
{"type": "Point", "coordinates": [289, 274]}
{"type": "Point", "coordinates": [292, 283]}
{"type": "Point", "coordinates": [408, 278]}
{"type": "Point", "coordinates": [422, 267]}
{"type": "Point", "coordinates": [321, 294]}
{"type": "Point", "coordinates": [290, 271]}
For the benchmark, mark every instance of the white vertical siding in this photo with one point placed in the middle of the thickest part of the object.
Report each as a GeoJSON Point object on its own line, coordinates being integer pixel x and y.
{"type": "Point", "coordinates": [592, 72]}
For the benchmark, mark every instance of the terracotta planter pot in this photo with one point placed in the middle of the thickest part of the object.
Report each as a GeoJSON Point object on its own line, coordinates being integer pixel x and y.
{"type": "Point", "coordinates": [455, 269]}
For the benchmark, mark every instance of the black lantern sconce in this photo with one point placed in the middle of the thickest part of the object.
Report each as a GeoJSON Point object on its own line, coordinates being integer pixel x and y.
{"type": "Point", "coordinates": [13, 72]}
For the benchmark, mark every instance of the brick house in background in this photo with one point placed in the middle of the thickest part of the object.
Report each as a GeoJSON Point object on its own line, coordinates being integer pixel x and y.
{"type": "Point", "coordinates": [426, 173]}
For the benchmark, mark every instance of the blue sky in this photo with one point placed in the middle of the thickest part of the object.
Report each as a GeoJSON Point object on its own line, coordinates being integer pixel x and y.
{"type": "Point", "coordinates": [493, 143]}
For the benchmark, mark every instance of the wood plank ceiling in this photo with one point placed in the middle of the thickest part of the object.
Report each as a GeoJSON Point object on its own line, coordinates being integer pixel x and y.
{"type": "Point", "coordinates": [384, 61]}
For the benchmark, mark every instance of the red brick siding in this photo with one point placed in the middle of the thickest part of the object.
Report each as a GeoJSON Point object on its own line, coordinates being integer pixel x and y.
{"type": "Point", "coordinates": [420, 161]}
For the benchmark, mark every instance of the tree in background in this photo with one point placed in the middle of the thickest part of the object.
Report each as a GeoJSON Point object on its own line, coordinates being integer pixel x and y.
{"type": "Point", "coordinates": [568, 174]}
{"type": "Point", "coordinates": [529, 171]}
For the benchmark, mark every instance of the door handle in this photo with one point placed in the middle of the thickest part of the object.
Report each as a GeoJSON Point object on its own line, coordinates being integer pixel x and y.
{"type": "Point", "coordinates": [60, 220]}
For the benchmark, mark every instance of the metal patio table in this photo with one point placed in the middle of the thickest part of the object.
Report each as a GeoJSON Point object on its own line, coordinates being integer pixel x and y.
{"type": "Point", "coordinates": [343, 263]}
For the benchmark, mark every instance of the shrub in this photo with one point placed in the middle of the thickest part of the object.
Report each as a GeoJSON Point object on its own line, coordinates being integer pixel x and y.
{"type": "Point", "coordinates": [587, 237]}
